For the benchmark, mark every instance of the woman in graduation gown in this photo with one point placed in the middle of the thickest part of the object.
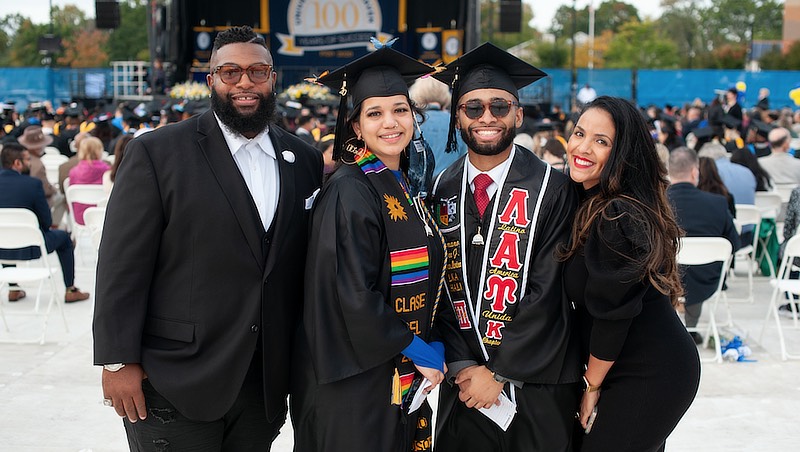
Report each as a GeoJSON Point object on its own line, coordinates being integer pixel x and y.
{"type": "Point", "coordinates": [373, 277]}
{"type": "Point", "coordinates": [642, 366]}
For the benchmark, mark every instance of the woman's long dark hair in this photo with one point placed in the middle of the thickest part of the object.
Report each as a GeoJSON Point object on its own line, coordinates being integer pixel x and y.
{"type": "Point", "coordinates": [119, 153]}
{"type": "Point", "coordinates": [746, 158]}
{"type": "Point", "coordinates": [711, 182]}
{"type": "Point", "coordinates": [635, 177]}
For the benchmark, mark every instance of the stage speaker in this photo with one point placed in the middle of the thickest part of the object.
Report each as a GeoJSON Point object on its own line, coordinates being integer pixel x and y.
{"type": "Point", "coordinates": [49, 44]}
{"type": "Point", "coordinates": [510, 16]}
{"type": "Point", "coordinates": [106, 14]}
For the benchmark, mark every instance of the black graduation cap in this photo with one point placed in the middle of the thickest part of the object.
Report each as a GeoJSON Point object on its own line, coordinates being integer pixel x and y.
{"type": "Point", "coordinates": [761, 127]}
{"type": "Point", "coordinates": [486, 66]}
{"type": "Point", "coordinates": [196, 107]}
{"type": "Point", "coordinates": [731, 122]}
{"type": "Point", "coordinates": [103, 117]}
{"type": "Point", "coordinates": [544, 126]}
{"type": "Point", "coordinates": [704, 133]}
{"type": "Point", "coordinates": [382, 73]}
{"type": "Point", "coordinates": [663, 117]}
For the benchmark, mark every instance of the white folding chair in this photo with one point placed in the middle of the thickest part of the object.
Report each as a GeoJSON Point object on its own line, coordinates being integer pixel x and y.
{"type": "Point", "coordinates": [770, 204]}
{"type": "Point", "coordinates": [93, 218]}
{"type": "Point", "coordinates": [701, 251]}
{"type": "Point", "coordinates": [91, 194]}
{"type": "Point", "coordinates": [51, 163]}
{"type": "Point", "coordinates": [784, 191]}
{"type": "Point", "coordinates": [19, 228]}
{"type": "Point", "coordinates": [745, 215]}
{"type": "Point", "coordinates": [785, 284]}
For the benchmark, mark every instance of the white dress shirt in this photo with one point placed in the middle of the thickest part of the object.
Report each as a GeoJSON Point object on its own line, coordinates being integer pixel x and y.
{"type": "Point", "coordinates": [258, 163]}
{"type": "Point", "coordinates": [495, 173]}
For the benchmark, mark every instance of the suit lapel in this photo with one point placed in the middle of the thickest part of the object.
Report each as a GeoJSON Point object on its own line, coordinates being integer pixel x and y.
{"type": "Point", "coordinates": [286, 202]}
{"type": "Point", "coordinates": [230, 180]}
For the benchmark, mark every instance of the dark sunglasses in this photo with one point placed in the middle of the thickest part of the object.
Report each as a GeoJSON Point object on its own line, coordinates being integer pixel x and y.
{"type": "Point", "coordinates": [231, 74]}
{"type": "Point", "coordinates": [499, 108]}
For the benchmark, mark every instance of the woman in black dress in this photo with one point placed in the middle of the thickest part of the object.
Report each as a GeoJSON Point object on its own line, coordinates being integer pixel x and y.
{"type": "Point", "coordinates": [642, 366]}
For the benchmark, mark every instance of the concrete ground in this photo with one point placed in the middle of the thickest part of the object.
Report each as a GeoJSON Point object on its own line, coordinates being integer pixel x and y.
{"type": "Point", "coordinates": [50, 396]}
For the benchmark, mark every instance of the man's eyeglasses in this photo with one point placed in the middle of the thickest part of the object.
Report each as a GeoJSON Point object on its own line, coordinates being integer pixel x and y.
{"type": "Point", "coordinates": [231, 74]}
{"type": "Point", "coordinates": [499, 108]}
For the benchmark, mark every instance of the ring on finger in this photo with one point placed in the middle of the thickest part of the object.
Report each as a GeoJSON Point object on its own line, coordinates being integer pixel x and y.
{"type": "Point", "coordinates": [108, 402]}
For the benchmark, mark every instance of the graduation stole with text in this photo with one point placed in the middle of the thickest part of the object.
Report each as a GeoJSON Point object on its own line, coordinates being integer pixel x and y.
{"type": "Point", "coordinates": [408, 249]}
{"type": "Point", "coordinates": [507, 250]}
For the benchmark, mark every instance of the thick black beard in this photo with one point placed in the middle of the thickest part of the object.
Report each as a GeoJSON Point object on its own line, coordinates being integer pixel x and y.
{"type": "Point", "coordinates": [487, 149]}
{"type": "Point", "coordinates": [243, 124]}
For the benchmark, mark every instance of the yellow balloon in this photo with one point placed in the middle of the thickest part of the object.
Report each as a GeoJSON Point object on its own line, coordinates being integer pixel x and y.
{"type": "Point", "coordinates": [795, 96]}
{"type": "Point", "coordinates": [741, 86]}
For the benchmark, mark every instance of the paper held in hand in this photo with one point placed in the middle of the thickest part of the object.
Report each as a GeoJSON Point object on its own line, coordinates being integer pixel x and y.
{"type": "Point", "coordinates": [419, 396]}
{"type": "Point", "coordinates": [502, 414]}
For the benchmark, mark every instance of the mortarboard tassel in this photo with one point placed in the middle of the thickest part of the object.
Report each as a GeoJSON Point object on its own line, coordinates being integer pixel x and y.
{"type": "Point", "coordinates": [397, 390]}
{"type": "Point", "coordinates": [451, 131]}
{"type": "Point", "coordinates": [341, 122]}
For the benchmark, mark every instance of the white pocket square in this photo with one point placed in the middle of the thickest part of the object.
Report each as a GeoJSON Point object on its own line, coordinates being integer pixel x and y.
{"type": "Point", "coordinates": [310, 199]}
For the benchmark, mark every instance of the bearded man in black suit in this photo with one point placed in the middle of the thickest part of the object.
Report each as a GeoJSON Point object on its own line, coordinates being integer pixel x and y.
{"type": "Point", "coordinates": [200, 280]}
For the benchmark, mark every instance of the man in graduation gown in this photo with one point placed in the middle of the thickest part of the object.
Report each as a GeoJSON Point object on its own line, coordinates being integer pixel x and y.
{"type": "Point", "coordinates": [506, 327]}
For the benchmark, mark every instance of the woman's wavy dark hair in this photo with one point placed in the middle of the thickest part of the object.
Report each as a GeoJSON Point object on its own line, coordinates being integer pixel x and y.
{"type": "Point", "coordinates": [635, 177]}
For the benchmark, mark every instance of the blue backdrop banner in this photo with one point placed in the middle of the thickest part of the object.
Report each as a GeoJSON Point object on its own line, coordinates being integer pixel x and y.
{"type": "Point", "coordinates": [645, 87]}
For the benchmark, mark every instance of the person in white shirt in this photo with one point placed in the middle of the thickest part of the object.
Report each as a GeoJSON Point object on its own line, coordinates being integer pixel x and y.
{"type": "Point", "coordinates": [781, 166]}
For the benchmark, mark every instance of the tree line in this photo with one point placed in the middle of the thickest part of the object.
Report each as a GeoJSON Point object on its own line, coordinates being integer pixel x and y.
{"type": "Point", "coordinates": [712, 34]}
{"type": "Point", "coordinates": [82, 44]}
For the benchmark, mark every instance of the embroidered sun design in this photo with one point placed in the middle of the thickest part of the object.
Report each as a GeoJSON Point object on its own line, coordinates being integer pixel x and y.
{"type": "Point", "coordinates": [396, 210]}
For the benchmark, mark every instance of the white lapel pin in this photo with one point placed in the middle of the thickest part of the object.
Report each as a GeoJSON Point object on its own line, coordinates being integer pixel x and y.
{"type": "Point", "coordinates": [288, 156]}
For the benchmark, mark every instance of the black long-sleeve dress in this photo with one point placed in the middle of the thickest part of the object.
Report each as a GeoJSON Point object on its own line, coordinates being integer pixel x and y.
{"type": "Point", "coordinates": [624, 319]}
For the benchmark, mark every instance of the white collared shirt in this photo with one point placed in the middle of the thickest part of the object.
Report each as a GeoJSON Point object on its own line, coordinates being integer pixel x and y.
{"type": "Point", "coordinates": [495, 173]}
{"type": "Point", "coordinates": [258, 162]}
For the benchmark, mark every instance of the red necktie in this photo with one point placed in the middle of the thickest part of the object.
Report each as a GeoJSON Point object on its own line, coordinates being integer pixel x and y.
{"type": "Point", "coordinates": [482, 182]}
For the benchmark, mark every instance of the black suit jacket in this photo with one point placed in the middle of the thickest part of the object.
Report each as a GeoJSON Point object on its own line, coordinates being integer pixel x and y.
{"type": "Point", "coordinates": [188, 279]}
{"type": "Point", "coordinates": [701, 214]}
{"type": "Point", "coordinates": [22, 191]}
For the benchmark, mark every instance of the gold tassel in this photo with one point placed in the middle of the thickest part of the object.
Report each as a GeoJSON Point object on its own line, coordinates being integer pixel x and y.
{"type": "Point", "coordinates": [397, 396]}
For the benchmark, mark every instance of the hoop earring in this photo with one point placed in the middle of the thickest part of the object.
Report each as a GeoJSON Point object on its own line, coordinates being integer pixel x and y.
{"type": "Point", "coordinates": [354, 149]}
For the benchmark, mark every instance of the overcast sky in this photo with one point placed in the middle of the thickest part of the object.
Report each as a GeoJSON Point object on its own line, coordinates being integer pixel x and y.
{"type": "Point", "coordinates": [543, 10]}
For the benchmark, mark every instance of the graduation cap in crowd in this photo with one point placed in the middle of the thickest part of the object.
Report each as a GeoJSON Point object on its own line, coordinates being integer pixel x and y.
{"type": "Point", "coordinates": [544, 126]}
{"type": "Point", "coordinates": [37, 106]}
{"type": "Point", "coordinates": [102, 117]}
{"type": "Point", "coordinates": [666, 118]}
{"type": "Point", "coordinates": [196, 107]}
{"type": "Point", "coordinates": [761, 127]}
{"type": "Point", "coordinates": [8, 106]}
{"type": "Point", "coordinates": [72, 110]}
{"type": "Point", "coordinates": [486, 66]}
{"type": "Point", "coordinates": [290, 108]}
{"type": "Point", "coordinates": [730, 122]}
{"type": "Point", "coordinates": [703, 136]}
{"type": "Point", "coordinates": [382, 73]}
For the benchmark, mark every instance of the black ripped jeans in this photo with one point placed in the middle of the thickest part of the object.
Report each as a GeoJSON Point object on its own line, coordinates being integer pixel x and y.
{"type": "Point", "coordinates": [243, 428]}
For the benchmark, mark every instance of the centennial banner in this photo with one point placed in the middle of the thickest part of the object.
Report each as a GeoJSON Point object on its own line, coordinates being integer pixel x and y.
{"type": "Point", "coordinates": [304, 32]}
